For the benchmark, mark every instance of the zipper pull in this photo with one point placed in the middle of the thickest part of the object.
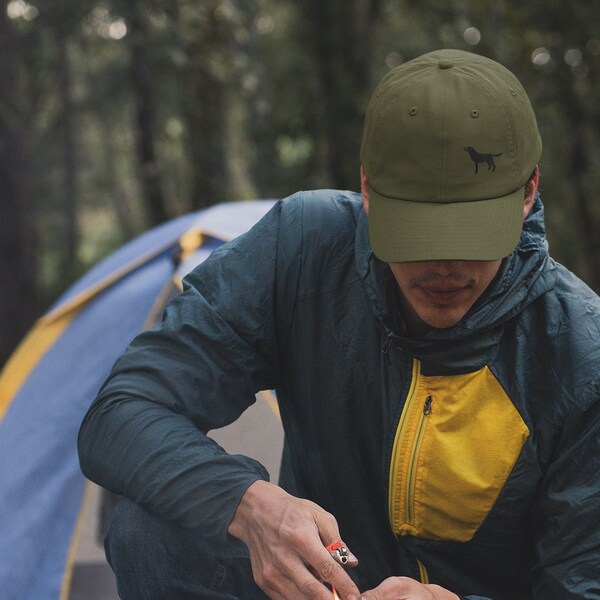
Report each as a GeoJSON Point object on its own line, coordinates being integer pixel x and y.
{"type": "Point", "coordinates": [427, 405]}
{"type": "Point", "coordinates": [386, 347]}
{"type": "Point", "coordinates": [387, 342]}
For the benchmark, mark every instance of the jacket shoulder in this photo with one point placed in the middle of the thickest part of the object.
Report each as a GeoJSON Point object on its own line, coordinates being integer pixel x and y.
{"type": "Point", "coordinates": [571, 322]}
{"type": "Point", "coordinates": [575, 305]}
{"type": "Point", "coordinates": [323, 223]}
{"type": "Point", "coordinates": [335, 209]}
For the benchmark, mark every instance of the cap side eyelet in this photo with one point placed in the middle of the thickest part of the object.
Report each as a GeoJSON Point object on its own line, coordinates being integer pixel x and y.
{"type": "Point", "coordinates": [474, 113]}
{"type": "Point", "coordinates": [412, 111]}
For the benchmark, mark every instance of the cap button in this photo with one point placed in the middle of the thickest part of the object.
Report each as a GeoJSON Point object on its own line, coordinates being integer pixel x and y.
{"type": "Point", "coordinates": [445, 63]}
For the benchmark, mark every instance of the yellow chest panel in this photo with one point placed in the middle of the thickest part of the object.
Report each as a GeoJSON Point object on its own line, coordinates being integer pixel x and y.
{"type": "Point", "coordinates": [457, 441]}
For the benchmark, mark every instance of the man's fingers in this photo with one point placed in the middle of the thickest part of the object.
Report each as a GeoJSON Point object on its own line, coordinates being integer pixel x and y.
{"type": "Point", "coordinates": [330, 536]}
{"type": "Point", "coordinates": [341, 554]}
{"type": "Point", "coordinates": [332, 570]}
{"type": "Point", "coordinates": [299, 569]}
{"type": "Point", "coordinates": [298, 584]}
{"type": "Point", "coordinates": [286, 539]}
{"type": "Point", "coordinates": [404, 588]}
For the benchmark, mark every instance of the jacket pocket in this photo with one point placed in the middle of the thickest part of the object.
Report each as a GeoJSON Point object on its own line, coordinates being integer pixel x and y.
{"type": "Point", "coordinates": [457, 442]}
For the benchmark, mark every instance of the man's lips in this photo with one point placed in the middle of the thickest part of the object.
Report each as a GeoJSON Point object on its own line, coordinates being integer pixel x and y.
{"type": "Point", "coordinates": [443, 295]}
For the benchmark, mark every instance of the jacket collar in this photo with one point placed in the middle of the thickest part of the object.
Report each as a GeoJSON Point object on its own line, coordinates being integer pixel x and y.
{"type": "Point", "coordinates": [473, 342]}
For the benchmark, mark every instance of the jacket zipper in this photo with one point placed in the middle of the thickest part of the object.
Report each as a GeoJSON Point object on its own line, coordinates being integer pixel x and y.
{"type": "Point", "coordinates": [394, 472]}
{"type": "Point", "coordinates": [411, 476]}
{"type": "Point", "coordinates": [409, 406]}
{"type": "Point", "coordinates": [410, 460]}
{"type": "Point", "coordinates": [423, 575]}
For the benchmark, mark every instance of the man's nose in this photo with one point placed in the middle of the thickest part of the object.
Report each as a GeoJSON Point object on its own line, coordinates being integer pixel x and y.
{"type": "Point", "coordinates": [445, 267]}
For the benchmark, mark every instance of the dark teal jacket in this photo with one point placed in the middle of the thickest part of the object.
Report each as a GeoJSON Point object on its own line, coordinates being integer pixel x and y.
{"type": "Point", "coordinates": [494, 493]}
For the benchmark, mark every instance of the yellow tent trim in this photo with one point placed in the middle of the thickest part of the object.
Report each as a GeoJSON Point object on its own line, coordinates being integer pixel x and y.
{"type": "Point", "coordinates": [193, 238]}
{"type": "Point", "coordinates": [269, 397]}
{"type": "Point", "coordinates": [84, 296]}
{"type": "Point", "coordinates": [75, 538]}
{"type": "Point", "coordinates": [163, 297]}
{"type": "Point", "coordinates": [188, 242]}
{"type": "Point", "coordinates": [50, 327]}
{"type": "Point", "coordinates": [26, 356]}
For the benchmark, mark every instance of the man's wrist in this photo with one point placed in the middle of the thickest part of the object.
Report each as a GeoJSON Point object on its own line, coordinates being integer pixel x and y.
{"type": "Point", "coordinates": [243, 513]}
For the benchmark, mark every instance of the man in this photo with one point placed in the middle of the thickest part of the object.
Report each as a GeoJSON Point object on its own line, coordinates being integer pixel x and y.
{"type": "Point", "coordinates": [437, 375]}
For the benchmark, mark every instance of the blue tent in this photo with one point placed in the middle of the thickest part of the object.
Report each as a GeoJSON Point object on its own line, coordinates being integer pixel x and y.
{"type": "Point", "coordinates": [53, 376]}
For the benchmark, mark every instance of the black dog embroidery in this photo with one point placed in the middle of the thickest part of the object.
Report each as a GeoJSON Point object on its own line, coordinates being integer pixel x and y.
{"type": "Point", "coordinates": [478, 157]}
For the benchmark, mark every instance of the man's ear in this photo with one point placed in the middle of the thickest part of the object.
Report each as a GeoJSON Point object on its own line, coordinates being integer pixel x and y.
{"type": "Point", "coordinates": [364, 190]}
{"type": "Point", "coordinates": [530, 190]}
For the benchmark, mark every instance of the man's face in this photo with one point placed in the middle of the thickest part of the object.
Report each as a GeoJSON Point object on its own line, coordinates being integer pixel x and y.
{"type": "Point", "coordinates": [440, 293]}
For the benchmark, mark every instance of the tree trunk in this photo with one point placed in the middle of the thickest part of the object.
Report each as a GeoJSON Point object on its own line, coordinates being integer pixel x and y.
{"type": "Point", "coordinates": [116, 198]}
{"type": "Point", "coordinates": [206, 115]}
{"type": "Point", "coordinates": [341, 43]}
{"type": "Point", "coordinates": [18, 300]}
{"type": "Point", "coordinates": [144, 93]}
{"type": "Point", "coordinates": [579, 174]}
{"type": "Point", "coordinates": [69, 163]}
{"type": "Point", "coordinates": [208, 126]}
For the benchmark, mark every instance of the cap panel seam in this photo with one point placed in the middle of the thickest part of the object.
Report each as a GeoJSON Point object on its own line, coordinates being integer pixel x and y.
{"type": "Point", "coordinates": [508, 122]}
{"type": "Point", "coordinates": [443, 180]}
{"type": "Point", "coordinates": [385, 109]}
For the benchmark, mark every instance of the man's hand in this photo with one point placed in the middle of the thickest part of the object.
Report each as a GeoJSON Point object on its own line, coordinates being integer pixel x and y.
{"type": "Point", "coordinates": [404, 588]}
{"type": "Point", "coordinates": [286, 539]}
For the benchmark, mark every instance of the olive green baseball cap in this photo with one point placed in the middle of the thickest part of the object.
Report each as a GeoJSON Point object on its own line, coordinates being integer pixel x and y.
{"type": "Point", "coordinates": [450, 140]}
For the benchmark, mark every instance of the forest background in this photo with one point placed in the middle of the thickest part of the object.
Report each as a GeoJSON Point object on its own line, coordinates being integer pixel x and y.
{"type": "Point", "coordinates": [117, 115]}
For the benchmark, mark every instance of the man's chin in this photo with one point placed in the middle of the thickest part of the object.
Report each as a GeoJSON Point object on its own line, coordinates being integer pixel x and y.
{"type": "Point", "coordinates": [443, 318]}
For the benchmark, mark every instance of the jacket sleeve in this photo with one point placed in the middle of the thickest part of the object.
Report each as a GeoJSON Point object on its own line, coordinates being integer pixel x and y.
{"type": "Point", "coordinates": [567, 518]}
{"type": "Point", "coordinates": [218, 344]}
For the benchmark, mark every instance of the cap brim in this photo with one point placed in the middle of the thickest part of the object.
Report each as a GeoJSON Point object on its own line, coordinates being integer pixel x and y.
{"type": "Point", "coordinates": [405, 231]}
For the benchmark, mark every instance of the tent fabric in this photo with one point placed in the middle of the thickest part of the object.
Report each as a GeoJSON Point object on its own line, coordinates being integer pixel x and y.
{"type": "Point", "coordinates": [53, 376]}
